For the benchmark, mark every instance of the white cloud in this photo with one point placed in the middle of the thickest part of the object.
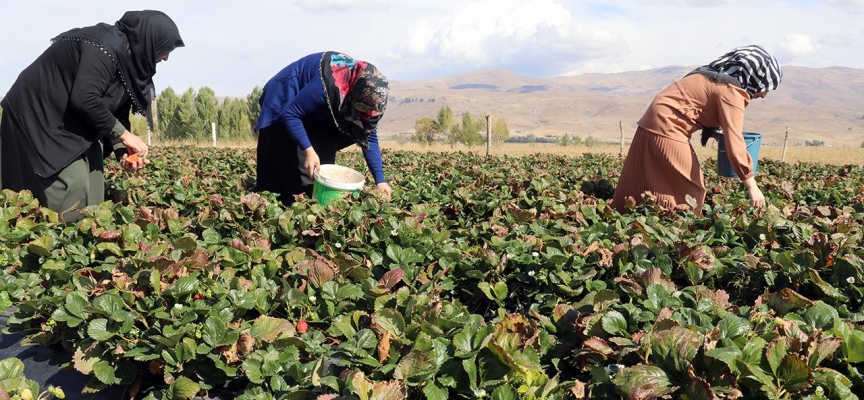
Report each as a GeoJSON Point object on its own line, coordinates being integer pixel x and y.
{"type": "Point", "coordinates": [837, 40]}
{"type": "Point", "coordinates": [695, 3]}
{"type": "Point", "coordinates": [797, 46]}
{"type": "Point", "coordinates": [344, 5]}
{"type": "Point", "coordinates": [533, 37]}
{"type": "Point", "coordinates": [854, 6]}
{"type": "Point", "coordinates": [710, 3]}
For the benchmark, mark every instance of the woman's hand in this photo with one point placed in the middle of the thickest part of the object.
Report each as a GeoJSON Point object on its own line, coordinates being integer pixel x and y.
{"type": "Point", "coordinates": [134, 144]}
{"type": "Point", "coordinates": [385, 189]}
{"type": "Point", "coordinates": [133, 163]}
{"type": "Point", "coordinates": [757, 199]}
{"type": "Point", "coordinates": [312, 161]}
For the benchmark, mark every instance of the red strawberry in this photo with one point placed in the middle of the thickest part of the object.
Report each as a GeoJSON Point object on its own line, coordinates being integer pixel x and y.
{"type": "Point", "coordinates": [197, 296]}
{"type": "Point", "coordinates": [302, 326]}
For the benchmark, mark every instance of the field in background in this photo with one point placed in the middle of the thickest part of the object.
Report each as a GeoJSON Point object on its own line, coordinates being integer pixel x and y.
{"type": "Point", "coordinates": [826, 155]}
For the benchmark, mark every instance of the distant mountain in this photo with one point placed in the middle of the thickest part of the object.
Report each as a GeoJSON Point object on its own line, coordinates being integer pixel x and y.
{"type": "Point", "coordinates": [815, 103]}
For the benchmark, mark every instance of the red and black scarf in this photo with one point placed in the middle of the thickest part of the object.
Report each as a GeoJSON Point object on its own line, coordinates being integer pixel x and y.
{"type": "Point", "coordinates": [356, 95]}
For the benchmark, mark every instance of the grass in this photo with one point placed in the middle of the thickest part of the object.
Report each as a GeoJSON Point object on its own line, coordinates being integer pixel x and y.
{"type": "Point", "coordinates": [825, 155]}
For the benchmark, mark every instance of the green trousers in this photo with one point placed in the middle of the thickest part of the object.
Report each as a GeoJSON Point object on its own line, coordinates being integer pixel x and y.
{"type": "Point", "coordinates": [79, 185]}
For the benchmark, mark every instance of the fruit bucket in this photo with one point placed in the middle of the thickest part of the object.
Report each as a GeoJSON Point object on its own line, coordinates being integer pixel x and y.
{"type": "Point", "coordinates": [751, 140]}
{"type": "Point", "coordinates": [334, 181]}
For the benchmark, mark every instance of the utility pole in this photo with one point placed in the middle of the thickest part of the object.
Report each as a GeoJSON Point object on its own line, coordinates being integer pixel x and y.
{"type": "Point", "coordinates": [621, 131]}
{"type": "Point", "coordinates": [213, 124]}
{"type": "Point", "coordinates": [488, 134]}
{"type": "Point", "coordinates": [154, 112]}
{"type": "Point", "coordinates": [785, 143]}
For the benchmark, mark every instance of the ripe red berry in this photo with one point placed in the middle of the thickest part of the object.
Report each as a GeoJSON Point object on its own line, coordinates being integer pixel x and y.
{"type": "Point", "coordinates": [197, 296]}
{"type": "Point", "coordinates": [302, 326]}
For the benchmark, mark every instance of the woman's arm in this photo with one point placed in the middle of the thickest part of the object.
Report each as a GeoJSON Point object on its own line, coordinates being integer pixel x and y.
{"type": "Point", "coordinates": [376, 165]}
{"type": "Point", "coordinates": [114, 143]}
{"type": "Point", "coordinates": [373, 158]}
{"type": "Point", "coordinates": [307, 101]}
{"type": "Point", "coordinates": [95, 73]}
{"type": "Point", "coordinates": [731, 113]}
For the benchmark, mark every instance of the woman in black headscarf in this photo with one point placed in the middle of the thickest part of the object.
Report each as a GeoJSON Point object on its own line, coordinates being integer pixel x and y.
{"type": "Point", "coordinates": [75, 99]}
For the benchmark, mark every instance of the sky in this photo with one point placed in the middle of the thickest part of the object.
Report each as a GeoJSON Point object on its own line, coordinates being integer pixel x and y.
{"type": "Point", "coordinates": [232, 46]}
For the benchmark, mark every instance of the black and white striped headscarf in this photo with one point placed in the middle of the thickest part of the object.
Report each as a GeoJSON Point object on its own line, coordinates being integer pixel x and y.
{"type": "Point", "coordinates": [755, 70]}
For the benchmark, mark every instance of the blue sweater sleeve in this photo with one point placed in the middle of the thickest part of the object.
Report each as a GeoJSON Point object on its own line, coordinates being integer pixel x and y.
{"type": "Point", "coordinates": [309, 100]}
{"type": "Point", "coordinates": [373, 158]}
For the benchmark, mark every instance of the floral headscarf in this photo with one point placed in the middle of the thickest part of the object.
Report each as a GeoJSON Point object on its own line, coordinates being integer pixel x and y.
{"type": "Point", "coordinates": [356, 95]}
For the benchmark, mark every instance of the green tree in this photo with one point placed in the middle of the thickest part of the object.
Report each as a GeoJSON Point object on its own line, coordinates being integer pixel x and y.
{"type": "Point", "coordinates": [565, 140]}
{"type": "Point", "coordinates": [138, 125]}
{"type": "Point", "coordinates": [186, 118]}
{"type": "Point", "coordinates": [500, 131]}
{"type": "Point", "coordinates": [469, 133]}
{"type": "Point", "coordinates": [577, 140]}
{"type": "Point", "coordinates": [234, 120]}
{"type": "Point", "coordinates": [447, 126]}
{"type": "Point", "coordinates": [227, 120]}
{"type": "Point", "coordinates": [445, 120]}
{"type": "Point", "coordinates": [425, 130]}
{"type": "Point", "coordinates": [166, 111]}
{"type": "Point", "coordinates": [862, 143]}
{"type": "Point", "coordinates": [206, 111]}
{"type": "Point", "coordinates": [253, 108]}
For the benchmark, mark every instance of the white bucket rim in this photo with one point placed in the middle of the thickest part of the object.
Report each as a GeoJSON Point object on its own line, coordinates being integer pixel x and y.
{"type": "Point", "coordinates": [338, 185]}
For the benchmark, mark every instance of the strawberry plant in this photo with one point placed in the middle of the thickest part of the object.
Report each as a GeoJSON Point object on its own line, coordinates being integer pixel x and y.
{"type": "Point", "coordinates": [495, 278]}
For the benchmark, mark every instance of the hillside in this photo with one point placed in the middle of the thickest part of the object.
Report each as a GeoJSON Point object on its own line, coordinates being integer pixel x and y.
{"type": "Point", "coordinates": [816, 104]}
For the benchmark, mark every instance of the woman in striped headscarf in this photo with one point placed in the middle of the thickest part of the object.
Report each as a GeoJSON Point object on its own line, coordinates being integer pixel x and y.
{"type": "Point", "coordinates": [662, 161]}
{"type": "Point", "coordinates": [314, 107]}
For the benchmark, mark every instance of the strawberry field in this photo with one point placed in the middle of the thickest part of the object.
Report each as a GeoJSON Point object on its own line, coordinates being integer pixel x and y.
{"type": "Point", "coordinates": [500, 278]}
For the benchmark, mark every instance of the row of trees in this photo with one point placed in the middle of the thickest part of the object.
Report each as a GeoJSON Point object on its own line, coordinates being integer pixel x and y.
{"type": "Point", "coordinates": [565, 140]}
{"type": "Point", "coordinates": [189, 116]}
{"type": "Point", "coordinates": [469, 130]}
{"type": "Point", "coordinates": [576, 140]}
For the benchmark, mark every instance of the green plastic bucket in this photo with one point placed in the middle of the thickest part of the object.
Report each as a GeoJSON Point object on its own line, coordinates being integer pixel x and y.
{"type": "Point", "coordinates": [724, 168]}
{"type": "Point", "coordinates": [335, 181]}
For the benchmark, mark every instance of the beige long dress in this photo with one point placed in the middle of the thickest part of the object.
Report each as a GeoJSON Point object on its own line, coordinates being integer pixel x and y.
{"type": "Point", "coordinates": [661, 159]}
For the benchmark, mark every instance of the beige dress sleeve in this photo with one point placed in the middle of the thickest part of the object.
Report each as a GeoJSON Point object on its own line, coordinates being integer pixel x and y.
{"type": "Point", "coordinates": [730, 113]}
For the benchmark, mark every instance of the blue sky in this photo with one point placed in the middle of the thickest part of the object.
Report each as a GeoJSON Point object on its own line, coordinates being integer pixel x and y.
{"type": "Point", "coordinates": [234, 45]}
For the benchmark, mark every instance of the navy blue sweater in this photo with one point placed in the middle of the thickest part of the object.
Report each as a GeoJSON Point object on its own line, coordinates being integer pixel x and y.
{"type": "Point", "coordinates": [296, 96]}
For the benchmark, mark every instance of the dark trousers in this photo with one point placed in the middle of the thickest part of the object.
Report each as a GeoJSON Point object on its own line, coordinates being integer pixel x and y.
{"type": "Point", "coordinates": [76, 186]}
{"type": "Point", "coordinates": [279, 169]}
